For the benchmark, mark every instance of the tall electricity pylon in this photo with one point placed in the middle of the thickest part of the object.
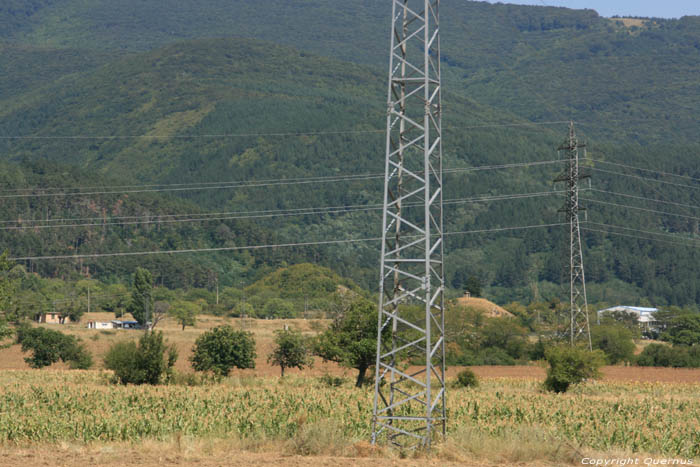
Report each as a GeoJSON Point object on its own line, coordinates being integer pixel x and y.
{"type": "Point", "coordinates": [409, 399]}
{"type": "Point", "coordinates": [579, 328]}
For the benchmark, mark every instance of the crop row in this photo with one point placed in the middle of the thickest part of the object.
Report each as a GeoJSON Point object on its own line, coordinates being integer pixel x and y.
{"type": "Point", "coordinates": [78, 406]}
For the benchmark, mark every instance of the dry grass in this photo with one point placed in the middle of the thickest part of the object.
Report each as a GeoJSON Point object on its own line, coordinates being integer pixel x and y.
{"type": "Point", "coordinates": [487, 307]}
{"type": "Point", "coordinates": [98, 341]}
{"type": "Point", "coordinates": [629, 22]}
{"type": "Point", "coordinates": [521, 445]}
{"type": "Point", "coordinates": [202, 453]}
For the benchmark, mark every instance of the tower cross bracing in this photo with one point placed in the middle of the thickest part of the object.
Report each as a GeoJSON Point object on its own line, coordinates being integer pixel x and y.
{"type": "Point", "coordinates": [578, 327]}
{"type": "Point", "coordinates": [409, 401]}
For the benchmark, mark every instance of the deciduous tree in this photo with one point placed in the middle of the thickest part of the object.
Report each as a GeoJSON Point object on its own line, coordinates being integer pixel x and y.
{"type": "Point", "coordinates": [351, 340]}
{"type": "Point", "coordinates": [223, 348]}
{"type": "Point", "coordinates": [291, 351]}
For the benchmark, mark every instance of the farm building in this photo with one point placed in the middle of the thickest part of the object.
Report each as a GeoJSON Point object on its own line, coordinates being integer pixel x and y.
{"type": "Point", "coordinates": [117, 324]}
{"type": "Point", "coordinates": [100, 325]}
{"type": "Point", "coordinates": [645, 316]}
{"type": "Point", "coordinates": [53, 318]}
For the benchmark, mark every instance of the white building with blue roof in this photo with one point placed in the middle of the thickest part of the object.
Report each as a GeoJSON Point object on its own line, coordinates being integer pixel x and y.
{"type": "Point", "coordinates": [645, 315]}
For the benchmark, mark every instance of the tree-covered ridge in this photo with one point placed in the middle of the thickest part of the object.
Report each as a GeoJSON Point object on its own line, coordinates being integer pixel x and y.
{"type": "Point", "coordinates": [541, 63]}
{"type": "Point", "coordinates": [115, 223]}
{"type": "Point", "coordinates": [27, 67]}
{"type": "Point", "coordinates": [203, 87]}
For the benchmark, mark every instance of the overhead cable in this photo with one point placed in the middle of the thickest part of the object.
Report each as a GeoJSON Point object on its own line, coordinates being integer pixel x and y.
{"type": "Point", "coordinates": [259, 247]}
{"type": "Point", "coordinates": [639, 177]}
{"type": "Point", "coordinates": [155, 188]}
{"type": "Point", "coordinates": [624, 195]}
{"type": "Point", "coordinates": [234, 215]}
{"type": "Point", "coordinates": [659, 172]}
{"type": "Point", "coordinates": [590, 200]}
{"type": "Point", "coordinates": [620, 234]}
{"type": "Point", "coordinates": [259, 135]}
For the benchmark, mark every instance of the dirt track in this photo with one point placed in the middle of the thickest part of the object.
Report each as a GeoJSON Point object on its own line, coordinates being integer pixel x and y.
{"type": "Point", "coordinates": [68, 457]}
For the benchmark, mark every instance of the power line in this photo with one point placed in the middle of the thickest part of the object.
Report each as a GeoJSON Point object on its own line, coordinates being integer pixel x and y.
{"type": "Point", "coordinates": [639, 177]}
{"type": "Point", "coordinates": [260, 247]}
{"type": "Point", "coordinates": [192, 184]}
{"type": "Point", "coordinates": [644, 198]}
{"type": "Point", "coordinates": [339, 210]}
{"type": "Point", "coordinates": [263, 214]}
{"type": "Point", "coordinates": [199, 188]}
{"type": "Point", "coordinates": [154, 188]}
{"type": "Point", "coordinates": [632, 229]}
{"type": "Point", "coordinates": [507, 229]}
{"type": "Point", "coordinates": [254, 135]}
{"type": "Point", "coordinates": [590, 200]}
{"type": "Point", "coordinates": [687, 177]}
{"type": "Point", "coordinates": [639, 237]}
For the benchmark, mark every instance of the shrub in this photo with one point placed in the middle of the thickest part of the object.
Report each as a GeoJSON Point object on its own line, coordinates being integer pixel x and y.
{"type": "Point", "coordinates": [278, 308]}
{"type": "Point", "coordinates": [677, 356]}
{"type": "Point", "coordinates": [78, 357]}
{"type": "Point", "coordinates": [332, 381]}
{"type": "Point", "coordinates": [505, 334]}
{"type": "Point", "coordinates": [481, 357]}
{"type": "Point", "coordinates": [683, 330]}
{"type": "Point", "coordinates": [571, 365]}
{"type": "Point", "coordinates": [223, 348]}
{"type": "Point", "coordinates": [150, 361]}
{"type": "Point", "coordinates": [467, 379]}
{"type": "Point", "coordinates": [495, 356]}
{"type": "Point", "coordinates": [49, 346]}
{"type": "Point", "coordinates": [537, 351]}
{"type": "Point", "coordinates": [616, 341]}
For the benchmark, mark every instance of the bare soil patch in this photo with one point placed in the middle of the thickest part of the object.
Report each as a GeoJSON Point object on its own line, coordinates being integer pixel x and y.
{"type": "Point", "coordinates": [162, 456]}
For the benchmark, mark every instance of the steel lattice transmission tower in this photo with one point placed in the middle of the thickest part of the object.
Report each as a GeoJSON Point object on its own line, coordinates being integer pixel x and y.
{"type": "Point", "coordinates": [409, 401]}
{"type": "Point", "coordinates": [579, 327]}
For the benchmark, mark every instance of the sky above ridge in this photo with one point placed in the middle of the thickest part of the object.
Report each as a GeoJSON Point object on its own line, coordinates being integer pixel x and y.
{"type": "Point", "coordinates": [655, 8]}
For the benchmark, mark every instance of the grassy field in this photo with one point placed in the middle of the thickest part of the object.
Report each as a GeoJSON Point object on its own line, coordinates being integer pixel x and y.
{"type": "Point", "coordinates": [507, 419]}
{"type": "Point", "coordinates": [504, 420]}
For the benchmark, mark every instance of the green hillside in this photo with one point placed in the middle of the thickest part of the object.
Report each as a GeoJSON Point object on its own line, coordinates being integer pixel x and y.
{"type": "Point", "coordinates": [211, 109]}
{"type": "Point", "coordinates": [539, 62]}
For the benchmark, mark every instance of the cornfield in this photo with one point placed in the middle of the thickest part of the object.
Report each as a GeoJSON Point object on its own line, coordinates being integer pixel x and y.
{"type": "Point", "coordinates": [658, 418]}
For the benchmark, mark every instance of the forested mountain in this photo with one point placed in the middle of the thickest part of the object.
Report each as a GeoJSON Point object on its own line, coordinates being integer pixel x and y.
{"type": "Point", "coordinates": [540, 62]}
{"type": "Point", "coordinates": [162, 94]}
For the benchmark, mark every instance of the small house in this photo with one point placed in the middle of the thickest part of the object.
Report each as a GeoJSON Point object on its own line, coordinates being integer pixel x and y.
{"type": "Point", "coordinates": [53, 318]}
{"type": "Point", "coordinates": [100, 325]}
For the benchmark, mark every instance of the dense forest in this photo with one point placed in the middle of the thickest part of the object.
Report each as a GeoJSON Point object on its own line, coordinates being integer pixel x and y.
{"type": "Point", "coordinates": [125, 126]}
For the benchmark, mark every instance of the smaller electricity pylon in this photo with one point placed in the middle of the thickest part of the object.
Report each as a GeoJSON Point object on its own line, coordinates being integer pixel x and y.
{"type": "Point", "coordinates": [579, 327]}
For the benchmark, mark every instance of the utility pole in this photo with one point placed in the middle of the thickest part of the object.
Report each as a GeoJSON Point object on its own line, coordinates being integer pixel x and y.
{"type": "Point", "coordinates": [579, 326]}
{"type": "Point", "coordinates": [409, 405]}
{"type": "Point", "coordinates": [88, 302]}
